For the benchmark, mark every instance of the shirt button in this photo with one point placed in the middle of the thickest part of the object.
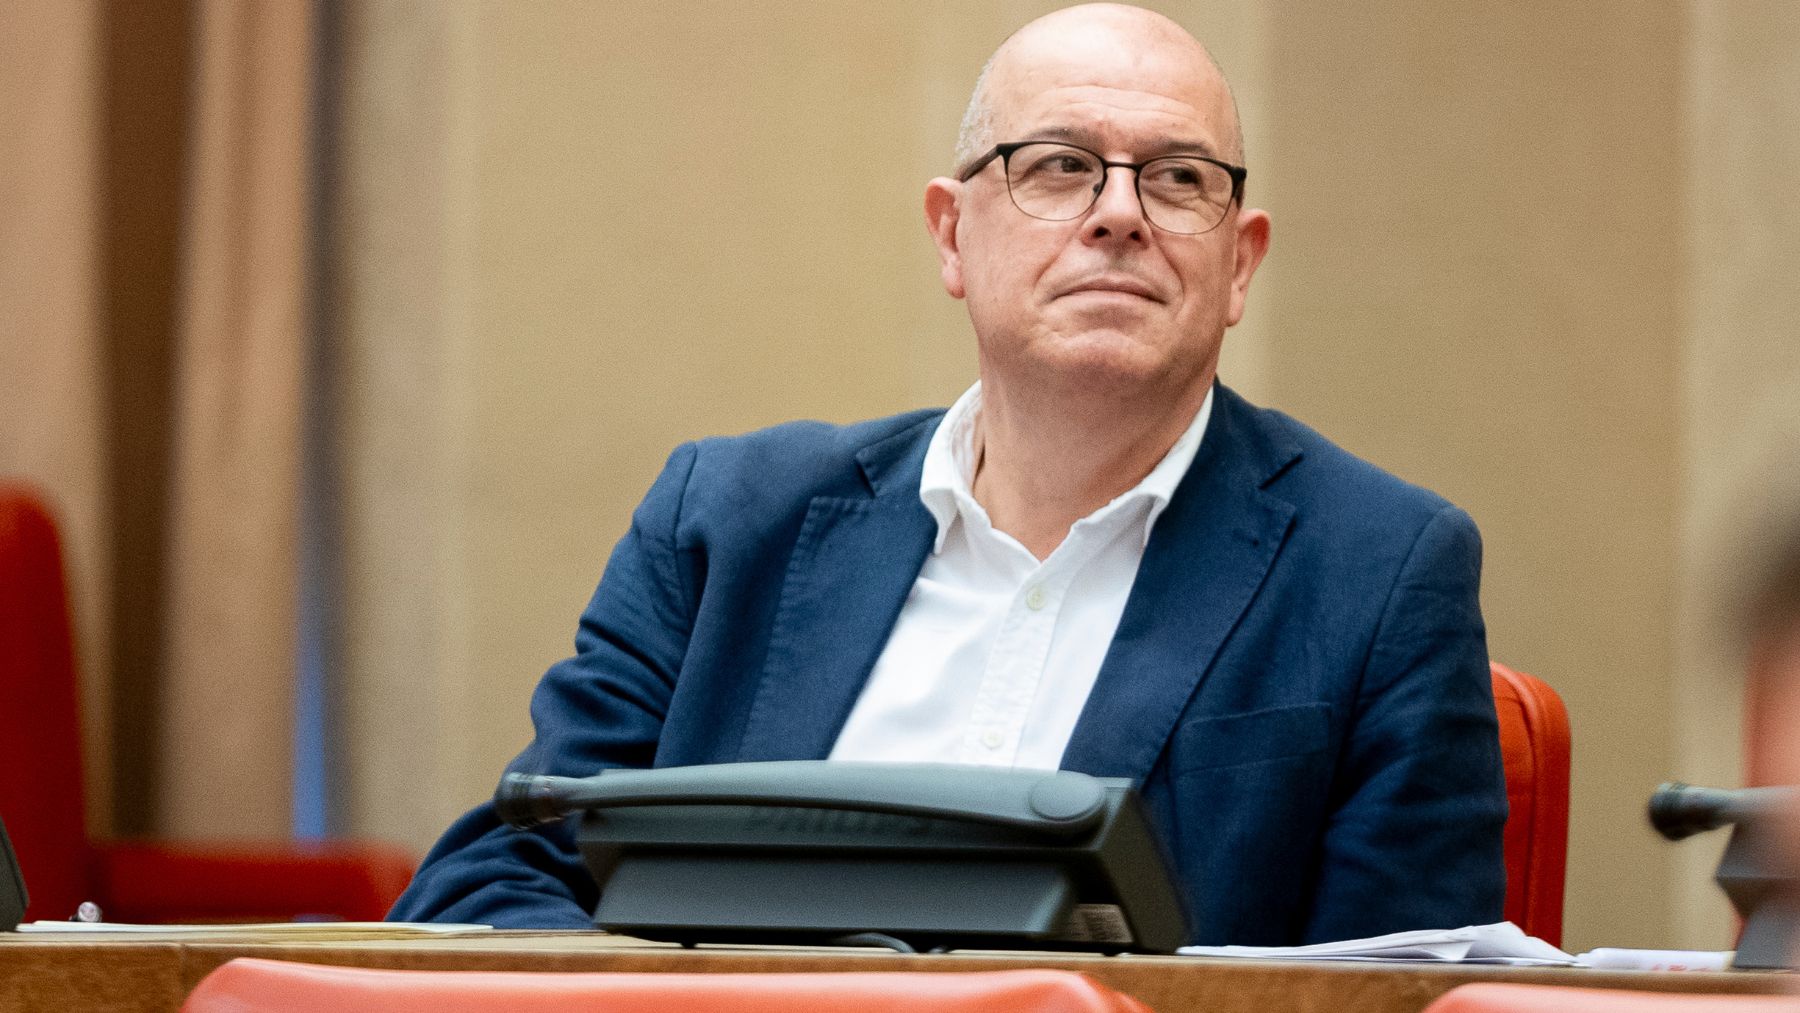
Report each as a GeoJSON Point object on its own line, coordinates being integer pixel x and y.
{"type": "Point", "coordinates": [992, 739]}
{"type": "Point", "coordinates": [1036, 598]}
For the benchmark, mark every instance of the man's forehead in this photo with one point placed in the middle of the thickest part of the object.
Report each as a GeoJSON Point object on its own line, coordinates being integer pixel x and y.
{"type": "Point", "coordinates": [1098, 116]}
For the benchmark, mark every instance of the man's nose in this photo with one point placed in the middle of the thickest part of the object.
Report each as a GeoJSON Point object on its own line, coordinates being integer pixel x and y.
{"type": "Point", "coordinates": [1117, 212]}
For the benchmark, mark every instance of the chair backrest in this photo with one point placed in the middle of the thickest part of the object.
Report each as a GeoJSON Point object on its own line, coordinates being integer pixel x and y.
{"type": "Point", "coordinates": [1489, 997]}
{"type": "Point", "coordinates": [1534, 746]}
{"type": "Point", "coordinates": [249, 985]}
{"type": "Point", "coordinates": [41, 794]}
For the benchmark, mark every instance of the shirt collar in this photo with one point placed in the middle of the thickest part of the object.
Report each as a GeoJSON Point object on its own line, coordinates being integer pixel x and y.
{"type": "Point", "coordinates": [944, 484]}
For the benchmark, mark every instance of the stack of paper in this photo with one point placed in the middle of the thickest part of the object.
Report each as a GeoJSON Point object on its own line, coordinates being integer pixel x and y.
{"type": "Point", "coordinates": [1501, 943]}
{"type": "Point", "coordinates": [1616, 959]}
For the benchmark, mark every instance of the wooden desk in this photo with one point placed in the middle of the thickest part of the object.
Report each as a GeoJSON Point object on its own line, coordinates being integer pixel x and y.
{"type": "Point", "coordinates": [155, 972]}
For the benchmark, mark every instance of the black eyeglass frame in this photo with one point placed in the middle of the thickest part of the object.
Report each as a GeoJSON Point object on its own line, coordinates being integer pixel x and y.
{"type": "Point", "coordinates": [1004, 153]}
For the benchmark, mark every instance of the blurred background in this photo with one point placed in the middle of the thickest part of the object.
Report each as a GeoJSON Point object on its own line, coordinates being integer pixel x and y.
{"type": "Point", "coordinates": [345, 334]}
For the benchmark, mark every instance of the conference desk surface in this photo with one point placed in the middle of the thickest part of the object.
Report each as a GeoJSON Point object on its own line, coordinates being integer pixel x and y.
{"type": "Point", "coordinates": [156, 971]}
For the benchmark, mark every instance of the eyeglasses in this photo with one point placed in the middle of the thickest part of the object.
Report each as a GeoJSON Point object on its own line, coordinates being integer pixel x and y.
{"type": "Point", "coordinates": [1057, 182]}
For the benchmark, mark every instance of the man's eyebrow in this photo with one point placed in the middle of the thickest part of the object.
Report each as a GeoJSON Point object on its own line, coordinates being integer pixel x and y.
{"type": "Point", "coordinates": [1089, 139]}
{"type": "Point", "coordinates": [1186, 148]}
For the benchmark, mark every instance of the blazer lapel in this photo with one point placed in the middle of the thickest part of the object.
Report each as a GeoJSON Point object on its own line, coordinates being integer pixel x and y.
{"type": "Point", "coordinates": [1207, 556]}
{"type": "Point", "coordinates": [853, 564]}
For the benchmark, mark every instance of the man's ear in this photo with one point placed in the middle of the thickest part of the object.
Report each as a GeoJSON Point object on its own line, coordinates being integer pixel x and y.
{"type": "Point", "coordinates": [1252, 244]}
{"type": "Point", "coordinates": [943, 208]}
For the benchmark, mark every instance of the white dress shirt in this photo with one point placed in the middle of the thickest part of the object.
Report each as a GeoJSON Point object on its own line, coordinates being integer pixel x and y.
{"type": "Point", "coordinates": [995, 652]}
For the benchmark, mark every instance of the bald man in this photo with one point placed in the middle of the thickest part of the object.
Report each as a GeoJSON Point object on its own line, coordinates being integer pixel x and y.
{"type": "Point", "coordinates": [1099, 559]}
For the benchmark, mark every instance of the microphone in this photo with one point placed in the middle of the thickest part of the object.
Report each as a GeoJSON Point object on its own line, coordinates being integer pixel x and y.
{"type": "Point", "coordinates": [1755, 872]}
{"type": "Point", "coordinates": [931, 854]}
{"type": "Point", "coordinates": [1679, 811]}
{"type": "Point", "coordinates": [526, 801]}
{"type": "Point", "coordinates": [1060, 803]}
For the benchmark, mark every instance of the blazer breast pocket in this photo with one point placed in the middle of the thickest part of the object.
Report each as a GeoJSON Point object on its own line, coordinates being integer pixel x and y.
{"type": "Point", "coordinates": [1231, 740]}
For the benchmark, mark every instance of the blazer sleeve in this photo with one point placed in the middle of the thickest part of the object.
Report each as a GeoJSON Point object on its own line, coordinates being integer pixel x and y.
{"type": "Point", "coordinates": [1415, 836]}
{"type": "Point", "coordinates": [602, 708]}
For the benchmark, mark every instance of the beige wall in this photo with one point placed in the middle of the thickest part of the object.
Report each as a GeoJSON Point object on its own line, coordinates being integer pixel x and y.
{"type": "Point", "coordinates": [1740, 359]}
{"type": "Point", "coordinates": [51, 382]}
{"type": "Point", "coordinates": [574, 235]}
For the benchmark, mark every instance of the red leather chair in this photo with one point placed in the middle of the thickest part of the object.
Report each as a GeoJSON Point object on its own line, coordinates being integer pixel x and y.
{"type": "Point", "coordinates": [1496, 998]}
{"type": "Point", "coordinates": [1534, 747]}
{"type": "Point", "coordinates": [248, 985]}
{"type": "Point", "coordinates": [41, 799]}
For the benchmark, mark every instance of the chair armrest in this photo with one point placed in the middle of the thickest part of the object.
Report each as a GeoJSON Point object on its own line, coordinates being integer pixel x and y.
{"type": "Point", "coordinates": [151, 882]}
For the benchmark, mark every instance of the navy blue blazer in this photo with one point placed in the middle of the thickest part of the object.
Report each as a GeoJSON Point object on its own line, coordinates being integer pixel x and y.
{"type": "Point", "coordinates": [1299, 681]}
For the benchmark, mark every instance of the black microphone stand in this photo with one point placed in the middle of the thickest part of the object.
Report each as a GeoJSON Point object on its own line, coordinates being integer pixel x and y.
{"type": "Point", "coordinates": [1751, 872]}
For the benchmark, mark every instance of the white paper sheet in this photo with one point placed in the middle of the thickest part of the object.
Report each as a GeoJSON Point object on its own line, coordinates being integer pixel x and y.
{"type": "Point", "coordinates": [1616, 958]}
{"type": "Point", "coordinates": [1500, 943]}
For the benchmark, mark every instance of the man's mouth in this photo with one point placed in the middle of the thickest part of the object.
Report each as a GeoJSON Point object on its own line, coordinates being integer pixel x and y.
{"type": "Point", "coordinates": [1115, 285]}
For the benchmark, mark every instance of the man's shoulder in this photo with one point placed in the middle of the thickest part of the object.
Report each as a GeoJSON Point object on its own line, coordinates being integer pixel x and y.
{"type": "Point", "coordinates": [1315, 471]}
{"type": "Point", "coordinates": [809, 445]}
{"type": "Point", "coordinates": [797, 461]}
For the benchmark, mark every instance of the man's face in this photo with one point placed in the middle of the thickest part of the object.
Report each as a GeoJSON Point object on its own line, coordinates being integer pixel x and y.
{"type": "Point", "coordinates": [1106, 298]}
